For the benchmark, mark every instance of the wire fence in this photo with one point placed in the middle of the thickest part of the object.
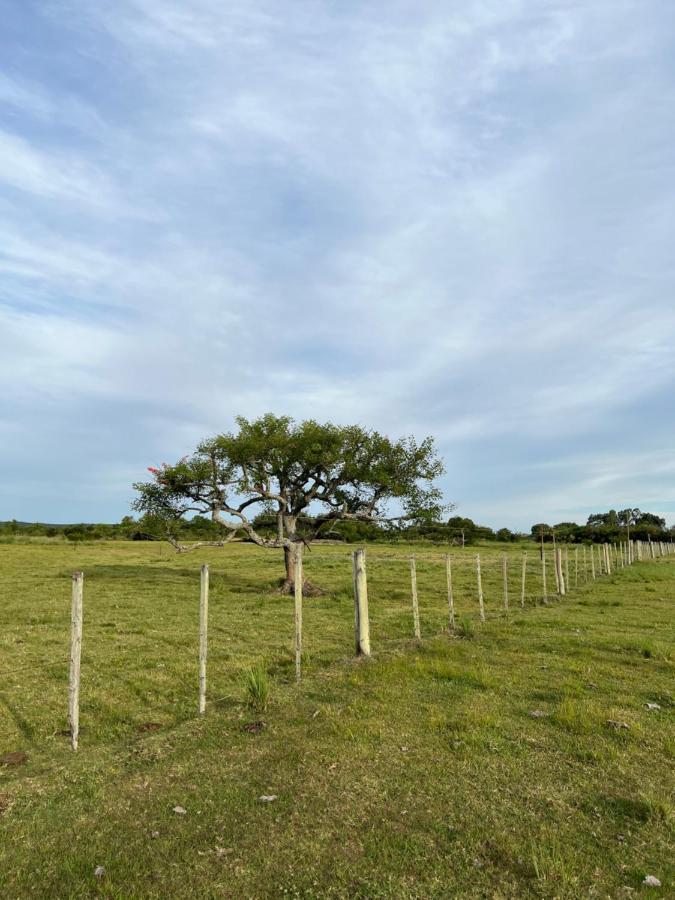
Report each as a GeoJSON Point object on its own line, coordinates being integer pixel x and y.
{"type": "Point", "coordinates": [397, 598]}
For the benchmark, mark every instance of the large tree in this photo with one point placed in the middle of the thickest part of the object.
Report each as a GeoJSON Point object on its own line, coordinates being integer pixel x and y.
{"type": "Point", "coordinates": [308, 475]}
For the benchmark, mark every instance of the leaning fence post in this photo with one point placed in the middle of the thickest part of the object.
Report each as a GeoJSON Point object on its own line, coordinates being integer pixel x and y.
{"type": "Point", "coordinates": [451, 599]}
{"type": "Point", "coordinates": [75, 658]}
{"type": "Point", "coordinates": [203, 634]}
{"type": "Point", "coordinates": [415, 606]}
{"type": "Point", "coordinates": [505, 578]}
{"type": "Point", "coordinates": [522, 580]}
{"type": "Point", "coordinates": [361, 622]}
{"type": "Point", "coordinates": [297, 593]}
{"type": "Point", "coordinates": [481, 605]}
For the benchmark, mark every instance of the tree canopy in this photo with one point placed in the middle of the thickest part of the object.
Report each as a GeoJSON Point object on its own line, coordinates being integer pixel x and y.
{"type": "Point", "coordinates": [307, 476]}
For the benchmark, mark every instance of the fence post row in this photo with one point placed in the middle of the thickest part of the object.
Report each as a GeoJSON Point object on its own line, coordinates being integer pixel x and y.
{"type": "Point", "coordinates": [624, 553]}
{"type": "Point", "coordinates": [203, 634]}
{"type": "Point", "coordinates": [361, 621]}
{"type": "Point", "coordinates": [75, 658]}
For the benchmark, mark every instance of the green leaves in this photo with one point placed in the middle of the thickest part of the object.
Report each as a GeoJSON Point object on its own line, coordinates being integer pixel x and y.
{"type": "Point", "coordinates": [287, 468]}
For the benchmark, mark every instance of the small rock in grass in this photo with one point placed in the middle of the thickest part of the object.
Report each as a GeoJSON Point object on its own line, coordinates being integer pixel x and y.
{"type": "Point", "coordinates": [99, 871]}
{"type": "Point", "coordinates": [154, 834]}
{"type": "Point", "coordinates": [539, 714]}
{"type": "Point", "coordinates": [268, 798]}
{"type": "Point", "coordinates": [223, 851]}
{"type": "Point", "coordinates": [614, 724]}
{"type": "Point", "coordinates": [652, 706]}
{"type": "Point", "coordinates": [180, 810]}
{"type": "Point", "coordinates": [651, 881]}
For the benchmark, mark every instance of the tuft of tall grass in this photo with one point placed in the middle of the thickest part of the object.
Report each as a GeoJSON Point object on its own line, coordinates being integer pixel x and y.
{"type": "Point", "coordinates": [465, 628]}
{"type": "Point", "coordinates": [257, 688]}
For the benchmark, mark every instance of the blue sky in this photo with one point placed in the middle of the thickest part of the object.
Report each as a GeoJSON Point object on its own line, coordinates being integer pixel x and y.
{"type": "Point", "coordinates": [438, 218]}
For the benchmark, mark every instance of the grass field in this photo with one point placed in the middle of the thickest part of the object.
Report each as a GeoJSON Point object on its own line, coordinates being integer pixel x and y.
{"type": "Point", "coordinates": [421, 773]}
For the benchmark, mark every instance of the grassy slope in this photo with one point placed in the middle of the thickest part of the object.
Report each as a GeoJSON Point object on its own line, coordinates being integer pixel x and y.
{"type": "Point", "coordinates": [419, 774]}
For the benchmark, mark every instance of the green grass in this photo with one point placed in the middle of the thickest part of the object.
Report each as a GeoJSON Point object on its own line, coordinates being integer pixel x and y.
{"type": "Point", "coordinates": [420, 773]}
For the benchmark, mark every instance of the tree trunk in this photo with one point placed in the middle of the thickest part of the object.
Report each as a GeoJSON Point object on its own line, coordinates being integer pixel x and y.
{"type": "Point", "coordinates": [287, 584]}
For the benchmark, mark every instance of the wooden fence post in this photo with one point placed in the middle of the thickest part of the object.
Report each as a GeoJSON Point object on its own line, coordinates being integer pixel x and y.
{"type": "Point", "coordinates": [297, 591]}
{"type": "Point", "coordinates": [415, 605]}
{"type": "Point", "coordinates": [505, 579]}
{"type": "Point", "coordinates": [522, 580]}
{"type": "Point", "coordinates": [567, 567]}
{"type": "Point", "coordinates": [361, 621]}
{"type": "Point", "coordinates": [481, 605]}
{"type": "Point", "coordinates": [75, 657]}
{"type": "Point", "coordinates": [592, 551]}
{"type": "Point", "coordinates": [543, 574]}
{"type": "Point", "coordinates": [555, 570]}
{"type": "Point", "coordinates": [576, 567]}
{"type": "Point", "coordinates": [451, 599]}
{"type": "Point", "coordinates": [585, 563]}
{"type": "Point", "coordinates": [559, 569]}
{"type": "Point", "coordinates": [203, 634]}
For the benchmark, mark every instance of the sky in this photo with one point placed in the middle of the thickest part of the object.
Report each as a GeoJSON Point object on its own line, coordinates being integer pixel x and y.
{"type": "Point", "coordinates": [445, 218]}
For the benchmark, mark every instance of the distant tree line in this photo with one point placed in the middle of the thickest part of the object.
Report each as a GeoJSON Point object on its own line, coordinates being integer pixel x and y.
{"type": "Point", "coordinates": [457, 531]}
{"type": "Point", "coordinates": [608, 527]}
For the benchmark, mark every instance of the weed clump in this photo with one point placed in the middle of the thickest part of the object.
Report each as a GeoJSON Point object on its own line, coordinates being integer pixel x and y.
{"type": "Point", "coordinates": [465, 628]}
{"type": "Point", "coordinates": [257, 688]}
